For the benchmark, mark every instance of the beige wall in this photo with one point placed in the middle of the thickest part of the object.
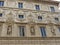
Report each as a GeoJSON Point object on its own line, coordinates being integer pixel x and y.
{"type": "Point", "coordinates": [29, 5]}
{"type": "Point", "coordinates": [13, 14]}
{"type": "Point", "coordinates": [10, 17]}
{"type": "Point", "coordinates": [29, 42]}
{"type": "Point", "coordinates": [15, 30]}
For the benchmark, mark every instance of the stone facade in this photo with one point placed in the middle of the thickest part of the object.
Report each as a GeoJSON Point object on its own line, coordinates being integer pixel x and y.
{"type": "Point", "coordinates": [10, 22]}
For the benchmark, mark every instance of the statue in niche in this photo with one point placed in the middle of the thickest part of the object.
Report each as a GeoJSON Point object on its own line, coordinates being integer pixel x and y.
{"type": "Point", "coordinates": [53, 31]}
{"type": "Point", "coordinates": [32, 30]}
{"type": "Point", "coordinates": [9, 22]}
{"type": "Point", "coordinates": [9, 30]}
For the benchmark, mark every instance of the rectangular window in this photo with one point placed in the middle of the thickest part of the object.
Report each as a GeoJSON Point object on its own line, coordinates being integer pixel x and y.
{"type": "Point", "coordinates": [56, 19]}
{"type": "Point", "coordinates": [21, 16]}
{"type": "Point", "coordinates": [43, 32]}
{"type": "Point", "coordinates": [1, 3]}
{"type": "Point", "coordinates": [59, 29]}
{"type": "Point", "coordinates": [0, 29]}
{"type": "Point", "coordinates": [0, 14]}
{"type": "Point", "coordinates": [37, 7]}
{"type": "Point", "coordinates": [40, 17]}
{"type": "Point", "coordinates": [21, 30]}
{"type": "Point", "coordinates": [52, 9]}
{"type": "Point", "coordinates": [20, 5]}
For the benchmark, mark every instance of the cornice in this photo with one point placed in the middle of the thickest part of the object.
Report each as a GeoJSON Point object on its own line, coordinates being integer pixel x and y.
{"type": "Point", "coordinates": [38, 1]}
{"type": "Point", "coordinates": [43, 1]}
{"type": "Point", "coordinates": [29, 38]}
{"type": "Point", "coordinates": [26, 10]}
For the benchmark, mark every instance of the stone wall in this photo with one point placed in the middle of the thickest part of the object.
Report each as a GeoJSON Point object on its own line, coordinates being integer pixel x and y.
{"type": "Point", "coordinates": [29, 42]}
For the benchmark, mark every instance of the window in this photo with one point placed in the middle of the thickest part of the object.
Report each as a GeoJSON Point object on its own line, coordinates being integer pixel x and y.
{"type": "Point", "coordinates": [52, 9]}
{"type": "Point", "coordinates": [40, 17]}
{"type": "Point", "coordinates": [20, 5]}
{"type": "Point", "coordinates": [43, 32]}
{"type": "Point", "coordinates": [21, 16]}
{"type": "Point", "coordinates": [59, 29]}
{"type": "Point", "coordinates": [56, 19]}
{"type": "Point", "coordinates": [0, 29]}
{"type": "Point", "coordinates": [1, 3]}
{"type": "Point", "coordinates": [32, 30]}
{"type": "Point", "coordinates": [21, 30]}
{"type": "Point", "coordinates": [37, 7]}
{"type": "Point", "coordinates": [0, 14]}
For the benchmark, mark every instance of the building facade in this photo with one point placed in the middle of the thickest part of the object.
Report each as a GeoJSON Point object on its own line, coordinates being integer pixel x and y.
{"type": "Point", "coordinates": [27, 22]}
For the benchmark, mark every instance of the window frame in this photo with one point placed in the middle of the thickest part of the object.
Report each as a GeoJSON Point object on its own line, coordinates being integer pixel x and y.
{"type": "Point", "coordinates": [43, 34]}
{"type": "Point", "coordinates": [37, 7]}
{"type": "Point", "coordinates": [1, 15]}
{"type": "Point", "coordinates": [56, 19]}
{"type": "Point", "coordinates": [1, 3]}
{"type": "Point", "coordinates": [20, 31]}
{"type": "Point", "coordinates": [52, 9]}
{"type": "Point", "coordinates": [22, 16]}
{"type": "Point", "coordinates": [59, 28]}
{"type": "Point", "coordinates": [20, 5]}
{"type": "Point", "coordinates": [40, 17]}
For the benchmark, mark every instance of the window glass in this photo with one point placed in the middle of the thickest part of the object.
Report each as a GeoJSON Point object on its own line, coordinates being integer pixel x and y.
{"type": "Point", "coordinates": [1, 3]}
{"type": "Point", "coordinates": [40, 17]}
{"type": "Point", "coordinates": [21, 16]}
{"type": "Point", "coordinates": [52, 9]}
{"type": "Point", "coordinates": [20, 5]}
{"type": "Point", "coordinates": [21, 30]}
{"type": "Point", "coordinates": [0, 14]}
{"type": "Point", "coordinates": [37, 7]}
{"type": "Point", "coordinates": [43, 32]}
{"type": "Point", "coordinates": [56, 19]}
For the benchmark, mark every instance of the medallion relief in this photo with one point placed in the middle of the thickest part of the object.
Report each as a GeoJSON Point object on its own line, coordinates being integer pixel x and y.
{"type": "Point", "coordinates": [9, 19]}
{"type": "Point", "coordinates": [31, 18]}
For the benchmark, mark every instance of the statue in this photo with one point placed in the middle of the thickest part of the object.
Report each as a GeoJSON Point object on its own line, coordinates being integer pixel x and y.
{"type": "Point", "coordinates": [32, 30]}
{"type": "Point", "coordinates": [9, 22]}
{"type": "Point", "coordinates": [53, 31]}
{"type": "Point", "coordinates": [9, 30]}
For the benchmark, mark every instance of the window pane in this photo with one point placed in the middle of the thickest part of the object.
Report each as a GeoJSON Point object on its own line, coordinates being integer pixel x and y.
{"type": "Point", "coordinates": [21, 30]}
{"type": "Point", "coordinates": [1, 3]}
{"type": "Point", "coordinates": [21, 16]}
{"type": "Point", "coordinates": [39, 17]}
{"type": "Point", "coordinates": [52, 9]}
{"type": "Point", "coordinates": [37, 7]}
{"type": "Point", "coordinates": [20, 5]}
{"type": "Point", "coordinates": [56, 19]}
{"type": "Point", "coordinates": [0, 14]}
{"type": "Point", "coordinates": [59, 29]}
{"type": "Point", "coordinates": [43, 32]}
